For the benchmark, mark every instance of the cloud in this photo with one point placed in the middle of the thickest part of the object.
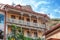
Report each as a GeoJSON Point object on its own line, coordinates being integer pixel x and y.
{"type": "Point", "coordinates": [57, 10]}
{"type": "Point", "coordinates": [51, 16]}
{"type": "Point", "coordinates": [41, 2]}
{"type": "Point", "coordinates": [5, 1]}
{"type": "Point", "coordinates": [41, 6]}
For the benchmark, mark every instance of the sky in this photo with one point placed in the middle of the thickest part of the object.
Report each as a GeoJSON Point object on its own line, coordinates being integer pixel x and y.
{"type": "Point", "coordinates": [1, 22]}
{"type": "Point", "coordinates": [49, 7]}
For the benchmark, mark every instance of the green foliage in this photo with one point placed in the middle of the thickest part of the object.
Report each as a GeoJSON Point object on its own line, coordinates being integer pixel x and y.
{"type": "Point", "coordinates": [27, 38]}
{"type": "Point", "coordinates": [56, 19]}
{"type": "Point", "coordinates": [39, 39]}
{"type": "Point", "coordinates": [9, 38]}
{"type": "Point", "coordinates": [18, 29]}
{"type": "Point", "coordinates": [13, 27]}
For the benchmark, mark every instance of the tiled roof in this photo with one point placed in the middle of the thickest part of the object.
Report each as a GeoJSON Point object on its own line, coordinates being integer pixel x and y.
{"type": "Point", "coordinates": [27, 11]}
{"type": "Point", "coordinates": [20, 9]}
{"type": "Point", "coordinates": [55, 27]}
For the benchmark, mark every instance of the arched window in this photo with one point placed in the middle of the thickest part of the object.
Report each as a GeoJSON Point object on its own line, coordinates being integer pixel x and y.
{"type": "Point", "coordinates": [12, 16]}
{"type": "Point", "coordinates": [28, 19]}
{"type": "Point", "coordinates": [28, 34]}
{"type": "Point", "coordinates": [35, 21]}
{"type": "Point", "coordinates": [35, 34]}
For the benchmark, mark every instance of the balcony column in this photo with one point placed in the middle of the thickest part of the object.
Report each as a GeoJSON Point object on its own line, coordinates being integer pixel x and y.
{"type": "Point", "coordinates": [21, 19]}
{"type": "Point", "coordinates": [37, 21]}
{"type": "Point", "coordinates": [37, 34]}
{"type": "Point", "coordinates": [30, 18]}
{"type": "Point", "coordinates": [21, 15]}
{"type": "Point", "coordinates": [30, 24]}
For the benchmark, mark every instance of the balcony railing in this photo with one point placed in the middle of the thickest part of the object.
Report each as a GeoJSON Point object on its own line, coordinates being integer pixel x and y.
{"type": "Point", "coordinates": [24, 23]}
{"type": "Point", "coordinates": [9, 36]}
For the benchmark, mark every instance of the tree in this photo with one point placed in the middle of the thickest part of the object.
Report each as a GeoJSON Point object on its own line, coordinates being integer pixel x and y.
{"type": "Point", "coordinates": [12, 36]}
{"type": "Point", "coordinates": [15, 33]}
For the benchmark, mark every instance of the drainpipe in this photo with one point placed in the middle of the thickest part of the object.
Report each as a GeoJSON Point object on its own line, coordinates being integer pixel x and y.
{"type": "Point", "coordinates": [5, 25]}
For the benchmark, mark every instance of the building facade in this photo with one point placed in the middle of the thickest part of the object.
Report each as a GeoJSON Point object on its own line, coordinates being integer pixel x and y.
{"type": "Point", "coordinates": [31, 23]}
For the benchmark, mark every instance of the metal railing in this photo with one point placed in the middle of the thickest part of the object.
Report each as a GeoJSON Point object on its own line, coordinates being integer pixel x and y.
{"type": "Point", "coordinates": [22, 22]}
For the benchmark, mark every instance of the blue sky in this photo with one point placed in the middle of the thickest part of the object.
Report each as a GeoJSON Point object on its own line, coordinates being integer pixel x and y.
{"type": "Point", "coordinates": [49, 7]}
{"type": "Point", "coordinates": [1, 22]}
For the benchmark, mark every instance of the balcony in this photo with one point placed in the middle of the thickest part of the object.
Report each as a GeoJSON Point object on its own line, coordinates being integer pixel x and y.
{"type": "Point", "coordinates": [25, 23]}
{"type": "Point", "coordinates": [9, 36]}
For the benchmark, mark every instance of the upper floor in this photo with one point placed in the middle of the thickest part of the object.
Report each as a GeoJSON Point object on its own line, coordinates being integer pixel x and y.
{"type": "Point", "coordinates": [19, 15]}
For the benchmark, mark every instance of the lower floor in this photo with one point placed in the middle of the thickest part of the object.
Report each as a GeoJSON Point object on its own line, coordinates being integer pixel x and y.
{"type": "Point", "coordinates": [27, 32]}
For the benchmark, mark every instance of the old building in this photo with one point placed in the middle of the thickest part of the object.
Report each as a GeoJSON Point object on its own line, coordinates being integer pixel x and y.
{"type": "Point", "coordinates": [32, 23]}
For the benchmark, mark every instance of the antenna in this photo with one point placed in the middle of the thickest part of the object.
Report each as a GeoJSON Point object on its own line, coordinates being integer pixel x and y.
{"type": "Point", "coordinates": [13, 4]}
{"type": "Point", "coordinates": [49, 14]}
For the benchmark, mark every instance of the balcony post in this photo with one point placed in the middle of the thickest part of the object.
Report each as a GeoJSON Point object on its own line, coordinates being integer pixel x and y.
{"type": "Point", "coordinates": [30, 23]}
{"type": "Point", "coordinates": [37, 33]}
{"type": "Point", "coordinates": [21, 16]}
{"type": "Point", "coordinates": [21, 30]}
{"type": "Point", "coordinates": [21, 19]}
{"type": "Point", "coordinates": [37, 21]}
{"type": "Point", "coordinates": [30, 32]}
{"type": "Point", "coordinates": [30, 18]}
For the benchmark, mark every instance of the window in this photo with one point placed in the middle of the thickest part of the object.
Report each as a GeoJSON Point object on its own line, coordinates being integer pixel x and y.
{"type": "Point", "coordinates": [20, 18]}
{"type": "Point", "coordinates": [28, 34]}
{"type": "Point", "coordinates": [28, 19]}
{"type": "Point", "coordinates": [35, 21]}
{"type": "Point", "coordinates": [35, 34]}
{"type": "Point", "coordinates": [12, 16]}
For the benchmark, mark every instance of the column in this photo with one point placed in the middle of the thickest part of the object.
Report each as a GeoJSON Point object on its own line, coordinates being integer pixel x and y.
{"type": "Point", "coordinates": [21, 21]}
{"type": "Point", "coordinates": [21, 15]}
{"type": "Point", "coordinates": [21, 30]}
{"type": "Point", "coordinates": [30, 24]}
{"type": "Point", "coordinates": [30, 18]}
{"type": "Point", "coordinates": [37, 34]}
{"type": "Point", "coordinates": [37, 22]}
{"type": "Point", "coordinates": [6, 31]}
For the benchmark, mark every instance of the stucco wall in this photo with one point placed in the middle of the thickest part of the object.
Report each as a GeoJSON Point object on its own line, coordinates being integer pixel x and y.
{"type": "Point", "coordinates": [57, 35]}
